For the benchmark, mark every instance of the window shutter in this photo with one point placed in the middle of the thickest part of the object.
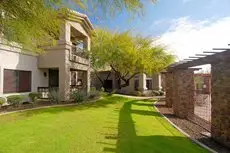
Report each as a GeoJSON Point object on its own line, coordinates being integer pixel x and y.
{"type": "Point", "coordinates": [10, 81]}
{"type": "Point", "coordinates": [24, 81]}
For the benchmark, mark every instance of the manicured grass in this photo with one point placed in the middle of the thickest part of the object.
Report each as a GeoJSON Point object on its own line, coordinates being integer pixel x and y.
{"type": "Point", "coordinates": [113, 124]}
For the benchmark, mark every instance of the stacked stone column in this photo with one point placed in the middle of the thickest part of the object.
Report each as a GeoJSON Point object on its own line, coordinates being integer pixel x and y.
{"type": "Point", "coordinates": [220, 123]}
{"type": "Point", "coordinates": [169, 88]}
{"type": "Point", "coordinates": [183, 93]}
{"type": "Point", "coordinates": [180, 92]}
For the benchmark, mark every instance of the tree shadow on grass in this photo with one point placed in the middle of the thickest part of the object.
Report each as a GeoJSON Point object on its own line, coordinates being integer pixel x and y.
{"type": "Point", "coordinates": [127, 141]}
{"type": "Point", "coordinates": [144, 104]}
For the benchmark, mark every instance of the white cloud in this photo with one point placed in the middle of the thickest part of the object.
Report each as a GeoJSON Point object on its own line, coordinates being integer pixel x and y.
{"type": "Point", "coordinates": [187, 37]}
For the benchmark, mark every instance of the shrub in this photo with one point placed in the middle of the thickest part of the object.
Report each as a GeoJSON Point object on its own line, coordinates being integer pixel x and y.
{"type": "Point", "coordinates": [112, 92]}
{"type": "Point", "coordinates": [161, 93]}
{"type": "Point", "coordinates": [34, 96]}
{"type": "Point", "coordinates": [93, 89]}
{"type": "Point", "coordinates": [54, 96]}
{"type": "Point", "coordinates": [77, 96]}
{"type": "Point", "coordinates": [137, 93]}
{"type": "Point", "coordinates": [155, 93]}
{"type": "Point", "coordinates": [2, 100]}
{"type": "Point", "coordinates": [94, 93]}
{"type": "Point", "coordinates": [102, 89]}
{"type": "Point", "coordinates": [15, 99]}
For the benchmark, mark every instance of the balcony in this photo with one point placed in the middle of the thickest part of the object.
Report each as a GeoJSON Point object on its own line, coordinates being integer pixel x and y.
{"type": "Point", "coordinates": [79, 55]}
{"type": "Point", "coordinates": [77, 51]}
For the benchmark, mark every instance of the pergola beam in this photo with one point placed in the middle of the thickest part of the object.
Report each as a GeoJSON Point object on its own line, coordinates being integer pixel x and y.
{"type": "Point", "coordinates": [224, 49]}
{"type": "Point", "coordinates": [203, 55]}
{"type": "Point", "coordinates": [194, 57]}
{"type": "Point", "coordinates": [210, 59]}
{"type": "Point", "coordinates": [187, 59]}
{"type": "Point", "coordinates": [210, 52]}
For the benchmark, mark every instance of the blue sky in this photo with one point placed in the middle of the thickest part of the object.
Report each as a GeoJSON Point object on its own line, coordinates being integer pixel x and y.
{"type": "Point", "coordinates": [157, 17]}
{"type": "Point", "coordinates": [184, 27]}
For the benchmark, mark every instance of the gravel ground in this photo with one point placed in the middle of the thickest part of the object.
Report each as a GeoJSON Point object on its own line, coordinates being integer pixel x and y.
{"type": "Point", "coordinates": [194, 130]}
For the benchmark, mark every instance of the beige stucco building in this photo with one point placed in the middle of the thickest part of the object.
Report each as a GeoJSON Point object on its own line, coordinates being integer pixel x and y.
{"type": "Point", "coordinates": [140, 82]}
{"type": "Point", "coordinates": [65, 66]}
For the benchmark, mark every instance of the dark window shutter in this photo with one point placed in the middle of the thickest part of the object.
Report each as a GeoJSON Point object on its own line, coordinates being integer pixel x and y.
{"type": "Point", "coordinates": [10, 81]}
{"type": "Point", "coordinates": [24, 81]}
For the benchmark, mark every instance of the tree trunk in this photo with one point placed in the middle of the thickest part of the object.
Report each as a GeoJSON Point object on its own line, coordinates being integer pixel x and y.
{"type": "Point", "coordinates": [101, 80]}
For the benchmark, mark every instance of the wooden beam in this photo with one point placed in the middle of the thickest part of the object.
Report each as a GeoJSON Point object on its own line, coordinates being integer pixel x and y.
{"type": "Point", "coordinates": [194, 69]}
{"type": "Point", "coordinates": [221, 49]}
{"type": "Point", "coordinates": [194, 57]}
{"type": "Point", "coordinates": [202, 55]}
{"type": "Point", "coordinates": [184, 61]}
{"type": "Point", "coordinates": [210, 59]}
{"type": "Point", "coordinates": [210, 52]}
{"type": "Point", "coordinates": [187, 59]}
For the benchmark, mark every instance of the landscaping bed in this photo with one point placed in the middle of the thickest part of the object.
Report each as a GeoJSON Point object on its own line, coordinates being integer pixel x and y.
{"type": "Point", "coordinates": [27, 105]}
{"type": "Point", "coordinates": [40, 104]}
{"type": "Point", "coordinates": [195, 131]}
{"type": "Point", "coordinates": [18, 102]}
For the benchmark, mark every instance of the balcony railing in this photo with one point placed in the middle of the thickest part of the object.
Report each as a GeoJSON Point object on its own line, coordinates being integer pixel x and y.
{"type": "Point", "coordinates": [76, 51]}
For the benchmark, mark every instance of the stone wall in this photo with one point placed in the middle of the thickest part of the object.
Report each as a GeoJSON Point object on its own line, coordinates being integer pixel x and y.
{"type": "Point", "coordinates": [183, 93]}
{"type": "Point", "coordinates": [169, 88]}
{"type": "Point", "coordinates": [220, 123]}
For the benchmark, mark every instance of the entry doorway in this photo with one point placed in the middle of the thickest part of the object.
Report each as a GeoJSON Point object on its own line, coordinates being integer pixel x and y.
{"type": "Point", "coordinates": [53, 78]}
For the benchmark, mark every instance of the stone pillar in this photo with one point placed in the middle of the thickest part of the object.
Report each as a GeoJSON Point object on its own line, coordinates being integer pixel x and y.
{"type": "Point", "coordinates": [169, 88]}
{"type": "Point", "coordinates": [220, 122]}
{"type": "Point", "coordinates": [183, 93]}
{"type": "Point", "coordinates": [64, 82]}
{"type": "Point", "coordinates": [156, 81]}
{"type": "Point", "coordinates": [142, 82]}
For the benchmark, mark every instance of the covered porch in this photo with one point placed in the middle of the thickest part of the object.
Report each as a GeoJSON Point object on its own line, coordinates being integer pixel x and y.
{"type": "Point", "coordinates": [65, 82]}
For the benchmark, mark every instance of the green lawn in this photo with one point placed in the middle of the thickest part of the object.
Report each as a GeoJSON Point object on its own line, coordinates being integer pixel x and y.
{"type": "Point", "coordinates": [113, 124]}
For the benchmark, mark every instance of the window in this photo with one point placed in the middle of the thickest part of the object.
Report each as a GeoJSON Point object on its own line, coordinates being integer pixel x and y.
{"type": "Point", "coordinates": [16, 81]}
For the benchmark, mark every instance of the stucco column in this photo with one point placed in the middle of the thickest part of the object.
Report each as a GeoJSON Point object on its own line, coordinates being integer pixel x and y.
{"type": "Point", "coordinates": [220, 93]}
{"type": "Point", "coordinates": [142, 82]}
{"type": "Point", "coordinates": [88, 77]}
{"type": "Point", "coordinates": [87, 46]}
{"type": "Point", "coordinates": [64, 82]}
{"type": "Point", "coordinates": [87, 43]}
{"type": "Point", "coordinates": [65, 33]}
{"type": "Point", "coordinates": [169, 88]}
{"type": "Point", "coordinates": [1, 80]}
{"type": "Point", "coordinates": [183, 93]}
{"type": "Point", "coordinates": [156, 81]}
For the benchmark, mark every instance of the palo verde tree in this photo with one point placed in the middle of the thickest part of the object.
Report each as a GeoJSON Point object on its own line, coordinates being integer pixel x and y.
{"type": "Point", "coordinates": [34, 23]}
{"type": "Point", "coordinates": [126, 55]}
